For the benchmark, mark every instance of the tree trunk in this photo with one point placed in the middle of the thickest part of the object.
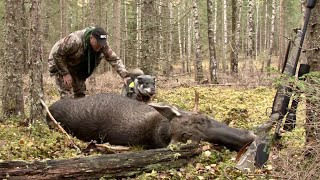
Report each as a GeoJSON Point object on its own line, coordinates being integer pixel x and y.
{"type": "Point", "coordinates": [198, 60]}
{"type": "Point", "coordinates": [266, 26]}
{"type": "Point", "coordinates": [180, 37]}
{"type": "Point", "coordinates": [116, 27]}
{"type": "Point", "coordinates": [271, 36]}
{"type": "Point", "coordinates": [63, 30]}
{"type": "Point", "coordinates": [225, 30]}
{"type": "Point", "coordinates": [169, 66]}
{"type": "Point", "coordinates": [239, 38]}
{"type": "Point", "coordinates": [36, 78]}
{"type": "Point", "coordinates": [250, 37]}
{"type": "Point", "coordinates": [83, 12]}
{"type": "Point", "coordinates": [213, 60]}
{"type": "Point", "coordinates": [185, 39]}
{"type": "Point", "coordinates": [107, 166]}
{"type": "Point", "coordinates": [261, 29]}
{"type": "Point", "coordinates": [100, 12]}
{"type": "Point", "coordinates": [215, 22]}
{"type": "Point", "coordinates": [45, 12]}
{"type": "Point", "coordinates": [125, 35]}
{"type": "Point", "coordinates": [138, 38]}
{"type": "Point", "coordinates": [148, 37]}
{"type": "Point", "coordinates": [234, 46]}
{"type": "Point", "coordinates": [189, 45]}
{"type": "Point", "coordinates": [68, 17]}
{"type": "Point", "coordinates": [166, 30]}
{"type": "Point", "coordinates": [24, 37]}
{"type": "Point", "coordinates": [257, 29]}
{"type": "Point", "coordinates": [12, 91]}
{"type": "Point", "coordinates": [313, 94]}
{"type": "Point", "coordinates": [281, 35]}
{"type": "Point", "coordinates": [235, 67]}
{"type": "Point", "coordinates": [92, 22]}
{"type": "Point", "coordinates": [46, 21]}
{"type": "Point", "coordinates": [92, 13]}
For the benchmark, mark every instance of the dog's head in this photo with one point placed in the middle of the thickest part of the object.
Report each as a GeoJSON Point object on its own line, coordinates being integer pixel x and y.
{"type": "Point", "coordinates": [140, 87]}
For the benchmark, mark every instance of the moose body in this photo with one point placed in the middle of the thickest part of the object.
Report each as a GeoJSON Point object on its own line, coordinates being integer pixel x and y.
{"type": "Point", "coordinates": [122, 121]}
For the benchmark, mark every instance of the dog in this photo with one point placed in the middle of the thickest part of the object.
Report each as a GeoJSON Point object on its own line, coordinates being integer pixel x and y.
{"type": "Point", "coordinates": [140, 86]}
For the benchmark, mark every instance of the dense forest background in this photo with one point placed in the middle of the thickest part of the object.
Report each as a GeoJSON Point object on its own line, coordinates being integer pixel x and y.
{"type": "Point", "coordinates": [171, 27]}
{"type": "Point", "coordinates": [211, 41]}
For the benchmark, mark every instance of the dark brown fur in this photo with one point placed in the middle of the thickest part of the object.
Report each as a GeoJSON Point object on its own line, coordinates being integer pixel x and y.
{"type": "Point", "coordinates": [122, 121]}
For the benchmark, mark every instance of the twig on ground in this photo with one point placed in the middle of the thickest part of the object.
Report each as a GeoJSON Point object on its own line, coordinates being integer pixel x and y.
{"type": "Point", "coordinates": [59, 127]}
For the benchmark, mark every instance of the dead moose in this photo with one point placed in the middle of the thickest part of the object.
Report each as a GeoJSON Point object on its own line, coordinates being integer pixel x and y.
{"type": "Point", "coordinates": [122, 121]}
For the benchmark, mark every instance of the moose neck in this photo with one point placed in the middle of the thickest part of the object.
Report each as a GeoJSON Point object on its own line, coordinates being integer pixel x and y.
{"type": "Point", "coordinates": [162, 134]}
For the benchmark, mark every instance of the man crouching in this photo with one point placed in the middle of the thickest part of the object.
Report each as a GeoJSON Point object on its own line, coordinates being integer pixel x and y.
{"type": "Point", "coordinates": [74, 58]}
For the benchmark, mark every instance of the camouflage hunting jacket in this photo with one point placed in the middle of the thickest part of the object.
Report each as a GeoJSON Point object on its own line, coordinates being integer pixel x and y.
{"type": "Point", "coordinates": [69, 52]}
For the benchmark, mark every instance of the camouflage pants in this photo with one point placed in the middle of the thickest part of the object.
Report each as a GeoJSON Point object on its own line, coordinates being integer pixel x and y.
{"type": "Point", "coordinates": [78, 86]}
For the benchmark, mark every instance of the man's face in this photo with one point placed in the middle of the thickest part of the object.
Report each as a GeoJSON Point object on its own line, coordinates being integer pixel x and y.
{"type": "Point", "coordinates": [94, 44]}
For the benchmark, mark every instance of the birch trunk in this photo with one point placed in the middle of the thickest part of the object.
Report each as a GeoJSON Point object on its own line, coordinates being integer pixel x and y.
{"type": "Point", "coordinates": [161, 53]}
{"type": "Point", "coordinates": [138, 38]}
{"type": "Point", "coordinates": [225, 30]}
{"type": "Point", "coordinates": [169, 67]}
{"type": "Point", "coordinates": [189, 45]}
{"type": "Point", "coordinates": [36, 77]}
{"type": "Point", "coordinates": [215, 21]}
{"type": "Point", "coordinates": [125, 38]}
{"type": "Point", "coordinates": [271, 36]}
{"type": "Point", "coordinates": [244, 35]}
{"type": "Point", "coordinates": [237, 35]}
{"type": "Point", "coordinates": [266, 26]}
{"type": "Point", "coordinates": [212, 51]}
{"type": "Point", "coordinates": [184, 32]}
{"type": "Point", "coordinates": [180, 38]}
{"type": "Point", "coordinates": [250, 37]}
{"type": "Point", "coordinates": [257, 29]}
{"type": "Point", "coordinates": [281, 35]}
{"type": "Point", "coordinates": [261, 29]}
{"type": "Point", "coordinates": [198, 60]}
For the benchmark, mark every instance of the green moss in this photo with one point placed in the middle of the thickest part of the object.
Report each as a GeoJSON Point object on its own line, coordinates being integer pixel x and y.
{"type": "Point", "coordinates": [34, 142]}
{"type": "Point", "coordinates": [244, 108]}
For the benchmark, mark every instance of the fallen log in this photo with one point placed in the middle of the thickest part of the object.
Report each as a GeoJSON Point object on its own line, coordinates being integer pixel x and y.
{"type": "Point", "coordinates": [94, 167]}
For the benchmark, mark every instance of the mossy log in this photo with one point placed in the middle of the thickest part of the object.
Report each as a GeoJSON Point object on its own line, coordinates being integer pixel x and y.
{"type": "Point", "coordinates": [120, 165]}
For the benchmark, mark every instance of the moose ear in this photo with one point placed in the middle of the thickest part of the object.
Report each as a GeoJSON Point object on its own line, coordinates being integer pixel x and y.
{"type": "Point", "coordinates": [167, 111]}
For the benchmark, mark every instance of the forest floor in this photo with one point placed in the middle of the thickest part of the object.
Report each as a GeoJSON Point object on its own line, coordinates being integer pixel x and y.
{"type": "Point", "coordinates": [243, 103]}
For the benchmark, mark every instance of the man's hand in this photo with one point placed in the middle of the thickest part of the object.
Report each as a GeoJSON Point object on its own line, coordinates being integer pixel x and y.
{"type": "Point", "coordinates": [125, 80]}
{"type": "Point", "coordinates": [67, 79]}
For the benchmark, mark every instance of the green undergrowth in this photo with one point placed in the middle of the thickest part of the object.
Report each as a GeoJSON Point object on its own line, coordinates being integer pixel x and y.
{"type": "Point", "coordinates": [36, 142]}
{"type": "Point", "coordinates": [242, 108]}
